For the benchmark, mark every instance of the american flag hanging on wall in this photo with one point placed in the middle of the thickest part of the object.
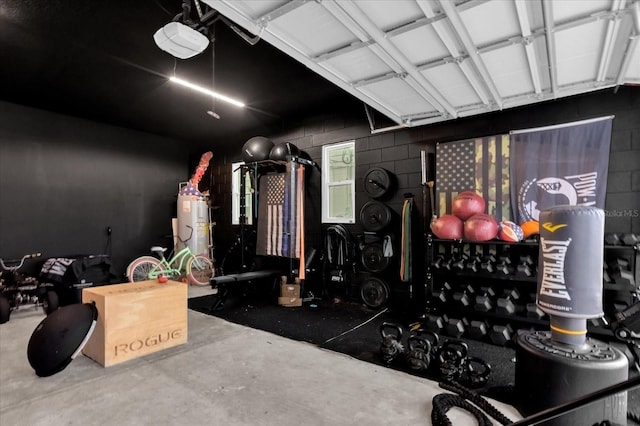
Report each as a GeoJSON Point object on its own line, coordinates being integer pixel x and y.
{"type": "Point", "coordinates": [277, 233]}
{"type": "Point", "coordinates": [271, 219]}
{"type": "Point", "coordinates": [480, 164]}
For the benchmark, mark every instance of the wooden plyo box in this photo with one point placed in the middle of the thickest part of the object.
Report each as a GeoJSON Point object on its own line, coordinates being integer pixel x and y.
{"type": "Point", "coordinates": [136, 319]}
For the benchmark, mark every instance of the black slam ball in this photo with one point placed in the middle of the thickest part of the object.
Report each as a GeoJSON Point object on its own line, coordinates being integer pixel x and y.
{"type": "Point", "coordinates": [280, 151]}
{"type": "Point", "coordinates": [257, 148]}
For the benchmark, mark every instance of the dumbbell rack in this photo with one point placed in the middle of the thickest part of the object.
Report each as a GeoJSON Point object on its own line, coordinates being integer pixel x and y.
{"type": "Point", "coordinates": [487, 290]}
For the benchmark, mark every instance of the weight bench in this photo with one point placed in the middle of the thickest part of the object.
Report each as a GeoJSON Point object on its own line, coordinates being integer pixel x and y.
{"type": "Point", "coordinates": [223, 282]}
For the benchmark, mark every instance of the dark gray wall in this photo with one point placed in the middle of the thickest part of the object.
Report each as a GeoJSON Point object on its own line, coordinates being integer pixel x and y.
{"type": "Point", "coordinates": [64, 180]}
{"type": "Point", "coordinates": [399, 152]}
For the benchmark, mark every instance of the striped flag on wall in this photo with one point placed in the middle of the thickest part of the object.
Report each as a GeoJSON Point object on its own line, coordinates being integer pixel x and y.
{"type": "Point", "coordinates": [278, 232]}
{"type": "Point", "coordinates": [274, 195]}
{"type": "Point", "coordinates": [480, 165]}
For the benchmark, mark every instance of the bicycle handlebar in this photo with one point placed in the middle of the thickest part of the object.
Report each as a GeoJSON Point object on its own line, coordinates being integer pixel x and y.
{"type": "Point", "coordinates": [3, 262]}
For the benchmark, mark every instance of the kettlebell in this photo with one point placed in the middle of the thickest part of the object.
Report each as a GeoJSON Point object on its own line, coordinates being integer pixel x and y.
{"type": "Point", "coordinates": [420, 347]}
{"type": "Point", "coordinates": [391, 346]}
{"type": "Point", "coordinates": [475, 372]}
{"type": "Point", "coordinates": [451, 357]}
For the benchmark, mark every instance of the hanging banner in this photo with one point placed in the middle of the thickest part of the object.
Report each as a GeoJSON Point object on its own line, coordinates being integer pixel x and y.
{"type": "Point", "coordinates": [480, 165]}
{"type": "Point", "coordinates": [271, 215]}
{"type": "Point", "coordinates": [559, 165]}
{"type": "Point", "coordinates": [278, 232]}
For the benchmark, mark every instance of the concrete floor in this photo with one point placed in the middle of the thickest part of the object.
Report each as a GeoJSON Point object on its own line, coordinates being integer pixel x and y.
{"type": "Point", "coordinates": [225, 375]}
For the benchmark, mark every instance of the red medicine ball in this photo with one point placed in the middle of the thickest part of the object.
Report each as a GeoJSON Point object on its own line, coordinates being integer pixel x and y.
{"type": "Point", "coordinates": [480, 227]}
{"type": "Point", "coordinates": [448, 227]}
{"type": "Point", "coordinates": [466, 204]}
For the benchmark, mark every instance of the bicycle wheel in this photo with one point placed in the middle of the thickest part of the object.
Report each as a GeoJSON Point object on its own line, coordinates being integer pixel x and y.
{"type": "Point", "coordinates": [50, 302]}
{"type": "Point", "coordinates": [139, 269]}
{"type": "Point", "coordinates": [200, 270]}
{"type": "Point", "coordinates": [5, 309]}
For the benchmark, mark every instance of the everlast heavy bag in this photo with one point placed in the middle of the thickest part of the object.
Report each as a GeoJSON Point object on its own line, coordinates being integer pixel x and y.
{"type": "Point", "coordinates": [558, 366]}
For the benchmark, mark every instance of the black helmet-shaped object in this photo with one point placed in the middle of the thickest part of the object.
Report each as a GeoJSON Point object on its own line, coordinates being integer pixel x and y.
{"type": "Point", "coordinates": [256, 149]}
{"type": "Point", "coordinates": [280, 151]}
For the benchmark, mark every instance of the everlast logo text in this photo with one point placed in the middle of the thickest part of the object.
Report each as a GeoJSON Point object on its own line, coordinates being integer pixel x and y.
{"type": "Point", "coordinates": [553, 254]}
{"type": "Point", "coordinates": [156, 339]}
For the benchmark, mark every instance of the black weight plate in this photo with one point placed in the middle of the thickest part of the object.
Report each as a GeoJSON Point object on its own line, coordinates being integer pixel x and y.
{"type": "Point", "coordinates": [372, 257]}
{"type": "Point", "coordinates": [374, 292]}
{"type": "Point", "coordinates": [375, 216]}
{"type": "Point", "coordinates": [377, 182]}
{"type": "Point", "coordinates": [60, 337]}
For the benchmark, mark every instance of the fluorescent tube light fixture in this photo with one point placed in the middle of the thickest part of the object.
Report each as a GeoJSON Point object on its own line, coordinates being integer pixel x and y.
{"type": "Point", "coordinates": [206, 91]}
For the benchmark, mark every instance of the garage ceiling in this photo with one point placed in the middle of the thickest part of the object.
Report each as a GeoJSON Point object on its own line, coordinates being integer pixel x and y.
{"type": "Point", "coordinates": [97, 60]}
{"type": "Point", "coordinates": [413, 61]}
{"type": "Point", "coordinates": [425, 61]}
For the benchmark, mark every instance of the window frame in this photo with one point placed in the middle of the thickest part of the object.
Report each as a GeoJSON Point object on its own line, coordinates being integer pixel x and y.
{"type": "Point", "coordinates": [326, 207]}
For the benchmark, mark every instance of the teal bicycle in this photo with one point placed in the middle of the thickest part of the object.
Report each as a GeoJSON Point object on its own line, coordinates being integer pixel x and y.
{"type": "Point", "coordinates": [196, 269]}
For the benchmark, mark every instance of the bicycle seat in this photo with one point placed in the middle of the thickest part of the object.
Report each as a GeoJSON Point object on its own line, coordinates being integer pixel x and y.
{"type": "Point", "coordinates": [158, 249]}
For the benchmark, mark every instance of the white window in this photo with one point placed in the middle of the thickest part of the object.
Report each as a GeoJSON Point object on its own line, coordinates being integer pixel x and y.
{"type": "Point", "coordinates": [235, 194]}
{"type": "Point", "coordinates": [338, 183]}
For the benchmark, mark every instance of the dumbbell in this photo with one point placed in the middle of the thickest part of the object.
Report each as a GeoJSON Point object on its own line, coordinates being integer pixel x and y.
{"type": "Point", "coordinates": [533, 311]}
{"type": "Point", "coordinates": [477, 329]}
{"type": "Point", "coordinates": [629, 239]}
{"type": "Point", "coordinates": [456, 327]}
{"type": "Point", "coordinates": [435, 323]}
{"type": "Point", "coordinates": [484, 299]}
{"type": "Point", "coordinates": [442, 294]}
{"type": "Point", "coordinates": [528, 260]}
{"type": "Point", "coordinates": [620, 272]}
{"type": "Point", "coordinates": [438, 261]}
{"type": "Point", "coordinates": [599, 322]}
{"type": "Point", "coordinates": [447, 263]}
{"type": "Point", "coordinates": [464, 296]}
{"type": "Point", "coordinates": [505, 304]}
{"type": "Point", "coordinates": [526, 266]}
{"type": "Point", "coordinates": [501, 334]}
{"type": "Point", "coordinates": [618, 264]}
{"type": "Point", "coordinates": [460, 263]}
{"type": "Point", "coordinates": [475, 263]}
{"type": "Point", "coordinates": [605, 275]}
{"type": "Point", "coordinates": [612, 239]}
{"type": "Point", "coordinates": [526, 270]}
{"type": "Point", "coordinates": [504, 266]}
{"type": "Point", "coordinates": [488, 264]}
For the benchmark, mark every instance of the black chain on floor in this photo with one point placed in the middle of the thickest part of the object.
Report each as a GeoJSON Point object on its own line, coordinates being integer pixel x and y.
{"type": "Point", "coordinates": [444, 402]}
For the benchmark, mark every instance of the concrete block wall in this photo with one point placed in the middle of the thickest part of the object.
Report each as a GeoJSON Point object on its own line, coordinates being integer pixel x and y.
{"type": "Point", "coordinates": [399, 151]}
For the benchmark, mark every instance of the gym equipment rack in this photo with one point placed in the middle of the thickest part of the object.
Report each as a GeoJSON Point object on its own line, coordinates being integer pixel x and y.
{"type": "Point", "coordinates": [503, 275]}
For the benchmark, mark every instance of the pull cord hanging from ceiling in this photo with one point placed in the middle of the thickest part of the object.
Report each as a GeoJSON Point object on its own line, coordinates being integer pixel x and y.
{"type": "Point", "coordinates": [212, 38]}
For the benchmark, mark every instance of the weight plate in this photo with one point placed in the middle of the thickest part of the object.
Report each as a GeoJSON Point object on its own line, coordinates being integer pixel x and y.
{"type": "Point", "coordinates": [377, 182]}
{"type": "Point", "coordinates": [60, 337]}
{"type": "Point", "coordinates": [375, 216]}
{"type": "Point", "coordinates": [372, 257]}
{"type": "Point", "coordinates": [374, 292]}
